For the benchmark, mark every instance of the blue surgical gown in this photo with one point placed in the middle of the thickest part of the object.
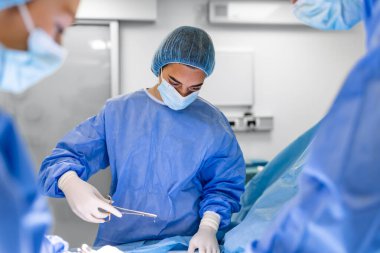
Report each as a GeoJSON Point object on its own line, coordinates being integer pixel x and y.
{"type": "Point", "coordinates": [337, 208]}
{"type": "Point", "coordinates": [24, 212]}
{"type": "Point", "coordinates": [176, 164]}
{"type": "Point", "coordinates": [268, 193]}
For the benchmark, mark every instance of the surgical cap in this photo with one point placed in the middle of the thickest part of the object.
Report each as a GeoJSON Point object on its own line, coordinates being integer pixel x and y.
{"type": "Point", "coordinates": [186, 45]}
{"type": "Point", "coordinates": [4, 4]}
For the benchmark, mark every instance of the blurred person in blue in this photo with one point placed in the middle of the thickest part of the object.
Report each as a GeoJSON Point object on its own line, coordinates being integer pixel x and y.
{"type": "Point", "coordinates": [170, 153]}
{"type": "Point", "coordinates": [30, 32]}
{"type": "Point", "coordinates": [337, 206]}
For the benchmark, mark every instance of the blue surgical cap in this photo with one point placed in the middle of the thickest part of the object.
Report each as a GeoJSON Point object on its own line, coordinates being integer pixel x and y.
{"type": "Point", "coordinates": [186, 45]}
{"type": "Point", "coordinates": [4, 4]}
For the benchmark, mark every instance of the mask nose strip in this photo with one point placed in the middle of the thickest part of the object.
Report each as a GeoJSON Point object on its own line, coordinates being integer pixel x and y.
{"type": "Point", "coordinates": [26, 17]}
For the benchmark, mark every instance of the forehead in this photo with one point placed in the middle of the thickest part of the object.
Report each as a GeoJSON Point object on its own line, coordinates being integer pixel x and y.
{"type": "Point", "coordinates": [184, 74]}
{"type": "Point", "coordinates": [184, 71]}
{"type": "Point", "coordinates": [55, 7]}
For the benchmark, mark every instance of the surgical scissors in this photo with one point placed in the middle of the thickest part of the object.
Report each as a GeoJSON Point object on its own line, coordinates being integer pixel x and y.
{"type": "Point", "coordinates": [129, 211]}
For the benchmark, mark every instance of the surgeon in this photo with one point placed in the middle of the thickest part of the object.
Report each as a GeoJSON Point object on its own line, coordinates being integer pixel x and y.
{"type": "Point", "coordinates": [170, 152]}
{"type": "Point", "coordinates": [30, 33]}
{"type": "Point", "coordinates": [337, 206]}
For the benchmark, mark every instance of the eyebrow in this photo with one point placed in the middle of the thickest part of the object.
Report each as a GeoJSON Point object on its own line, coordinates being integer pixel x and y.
{"type": "Point", "coordinates": [175, 80]}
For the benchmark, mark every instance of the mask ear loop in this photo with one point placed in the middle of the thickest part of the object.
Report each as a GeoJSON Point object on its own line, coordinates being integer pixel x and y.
{"type": "Point", "coordinates": [26, 17]}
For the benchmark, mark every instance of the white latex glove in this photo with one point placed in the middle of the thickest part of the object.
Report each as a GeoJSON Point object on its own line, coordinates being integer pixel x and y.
{"type": "Point", "coordinates": [105, 249]}
{"type": "Point", "coordinates": [54, 244]}
{"type": "Point", "coordinates": [84, 199]}
{"type": "Point", "coordinates": [205, 239]}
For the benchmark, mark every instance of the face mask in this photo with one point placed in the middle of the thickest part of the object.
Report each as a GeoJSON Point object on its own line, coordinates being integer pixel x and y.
{"type": "Point", "coordinates": [329, 14]}
{"type": "Point", "coordinates": [172, 98]}
{"type": "Point", "coordinates": [20, 70]}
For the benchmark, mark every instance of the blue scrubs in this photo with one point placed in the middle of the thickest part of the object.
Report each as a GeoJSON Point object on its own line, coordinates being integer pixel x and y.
{"type": "Point", "coordinates": [24, 213]}
{"type": "Point", "coordinates": [268, 193]}
{"type": "Point", "coordinates": [176, 164]}
{"type": "Point", "coordinates": [337, 206]}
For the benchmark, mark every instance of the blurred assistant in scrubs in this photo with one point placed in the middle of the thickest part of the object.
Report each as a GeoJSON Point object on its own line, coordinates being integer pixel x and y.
{"type": "Point", "coordinates": [170, 152]}
{"type": "Point", "coordinates": [337, 206]}
{"type": "Point", "coordinates": [329, 14]}
{"type": "Point", "coordinates": [29, 51]}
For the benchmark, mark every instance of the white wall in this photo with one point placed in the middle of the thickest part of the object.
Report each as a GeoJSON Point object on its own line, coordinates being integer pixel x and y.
{"type": "Point", "coordinates": [298, 70]}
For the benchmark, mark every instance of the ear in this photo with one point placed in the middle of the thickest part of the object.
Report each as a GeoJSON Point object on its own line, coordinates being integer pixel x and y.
{"type": "Point", "coordinates": [159, 76]}
{"type": "Point", "coordinates": [161, 73]}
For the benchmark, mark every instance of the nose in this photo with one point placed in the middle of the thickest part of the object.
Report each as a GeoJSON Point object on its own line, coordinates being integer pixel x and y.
{"type": "Point", "coordinates": [183, 91]}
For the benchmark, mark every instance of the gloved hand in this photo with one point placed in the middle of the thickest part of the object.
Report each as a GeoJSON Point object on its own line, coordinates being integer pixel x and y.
{"type": "Point", "coordinates": [54, 244]}
{"type": "Point", "coordinates": [84, 199]}
{"type": "Point", "coordinates": [205, 239]}
{"type": "Point", "coordinates": [105, 249]}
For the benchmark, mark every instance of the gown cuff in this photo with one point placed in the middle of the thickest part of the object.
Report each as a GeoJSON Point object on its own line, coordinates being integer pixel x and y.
{"type": "Point", "coordinates": [210, 219]}
{"type": "Point", "coordinates": [65, 178]}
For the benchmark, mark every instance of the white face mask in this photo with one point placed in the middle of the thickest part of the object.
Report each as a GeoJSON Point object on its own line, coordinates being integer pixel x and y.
{"type": "Point", "coordinates": [20, 70]}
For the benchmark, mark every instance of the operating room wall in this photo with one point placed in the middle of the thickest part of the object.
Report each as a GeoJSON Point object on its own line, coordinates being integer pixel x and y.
{"type": "Point", "coordinates": [297, 70]}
